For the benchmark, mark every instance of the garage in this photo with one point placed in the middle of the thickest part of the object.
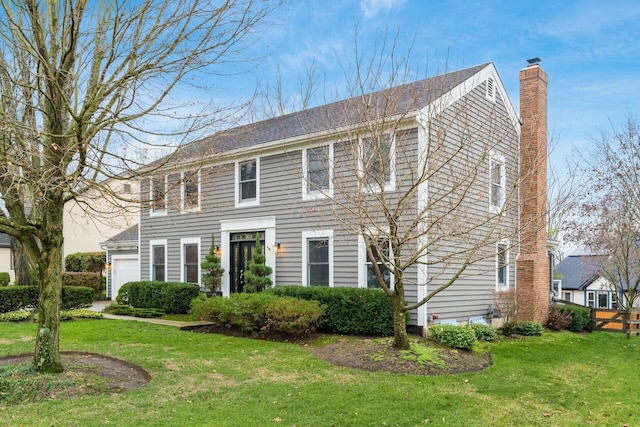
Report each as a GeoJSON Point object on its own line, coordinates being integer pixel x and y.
{"type": "Point", "coordinates": [124, 268]}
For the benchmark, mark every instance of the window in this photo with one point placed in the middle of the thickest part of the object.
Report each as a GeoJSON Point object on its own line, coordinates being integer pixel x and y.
{"type": "Point", "coordinates": [377, 162]}
{"type": "Point", "coordinates": [159, 195]}
{"type": "Point", "coordinates": [317, 258]}
{"type": "Point", "coordinates": [317, 165]}
{"type": "Point", "coordinates": [381, 248]}
{"type": "Point", "coordinates": [591, 299]}
{"type": "Point", "coordinates": [497, 177]}
{"type": "Point", "coordinates": [566, 296]}
{"type": "Point", "coordinates": [190, 260]}
{"type": "Point", "coordinates": [502, 266]}
{"type": "Point", "coordinates": [603, 300]}
{"type": "Point", "coordinates": [190, 191]}
{"type": "Point", "coordinates": [158, 260]}
{"type": "Point", "coordinates": [248, 183]}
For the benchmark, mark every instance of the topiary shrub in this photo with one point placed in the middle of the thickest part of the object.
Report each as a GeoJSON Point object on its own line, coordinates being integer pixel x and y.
{"type": "Point", "coordinates": [559, 319]}
{"type": "Point", "coordinates": [257, 275]}
{"type": "Point", "coordinates": [350, 311]}
{"type": "Point", "coordinates": [5, 278]}
{"type": "Point", "coordinates": [581, 318]}
{"type": "Point", "coordinates": [172, 297]}
{"type": "Point", "coordinates": [261, 313]}
{"type": "Point", "coordinates": [529, 329]}
{"type": "Point", "coordinates": [482, 332]}
{"type": "Point", "coordinates": [453, 336]}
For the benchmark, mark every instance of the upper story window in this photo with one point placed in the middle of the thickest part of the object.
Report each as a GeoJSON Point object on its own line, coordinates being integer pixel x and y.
{"type": "Point", "coordinates": [158, 195]}
{"type": "Point", "coordinates": [497, 176]}
{"type": "Point", "coordinates": [317, 169]}
{"type": "Point", "coordinates": [502, 266]}
{"type": "Point", "coordinates": [248, 183]}
{"type": "Point", "coordinates": [377, 162]}
{"type": "Point", "coordinates": [190, 191]}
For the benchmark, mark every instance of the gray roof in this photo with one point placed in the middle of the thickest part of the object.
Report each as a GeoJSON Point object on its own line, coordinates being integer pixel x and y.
{"type": "Point", "coordinates": [127, 236]}
{"type": "Point", "coordinates": [399, 100]}
{"type": "Point", "coordinates": [579, 271]}
{"type": "Point", "coordinates": [5, 240]}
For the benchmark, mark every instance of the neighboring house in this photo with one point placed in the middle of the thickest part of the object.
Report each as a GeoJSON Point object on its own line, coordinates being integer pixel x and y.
{"type": "Point", "coordinates": [253, 181]}
{"type": "Point", "coordinates": [6, 257]}
{"type": "Point", "coordinates": [122, 260]}
{"type": "Point", "coordinates": [97, 214]}
{"type": "Point", "coordinates": [582, 283]}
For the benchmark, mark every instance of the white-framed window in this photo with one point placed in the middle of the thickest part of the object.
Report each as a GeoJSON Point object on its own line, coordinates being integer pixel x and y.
{"type": "Point", "coordinates": [497, 178]}
{"type": "Point", "coordinates": [190, 191]}
{"type": "Point", "coordinates": [491, 89]}
{"type": "Point", "coordinates": [158, 195]}
{"type": "Point", "coordinates": [248, 183]}
{"type": "Point", "coordinates": [158, 260]}
{"type": "Point", "coordinates": [603, 300]}
{"type": "Point", "coordinates": [317, 171]}
{"type": "Point", "coordinates": [317, 258]}
{"type": "Point", "coordinates": [591, 299]}
{"type": "Point", "coordinates": [366, 273]}
{"type": "Point", "coordinates": [376, 162]}
{"type": "Point", "coordinates": [502, 266]}
{"type": "Point", "coordinates": [190, 256]}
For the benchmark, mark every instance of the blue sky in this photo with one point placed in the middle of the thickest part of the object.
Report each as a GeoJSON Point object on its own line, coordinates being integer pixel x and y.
{"type": "Point", "coordinates": [589, 49]}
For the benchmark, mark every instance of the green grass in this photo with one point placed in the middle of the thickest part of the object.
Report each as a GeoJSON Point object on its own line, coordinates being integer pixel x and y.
{"type": "Point", "coordinates": [206, 379]}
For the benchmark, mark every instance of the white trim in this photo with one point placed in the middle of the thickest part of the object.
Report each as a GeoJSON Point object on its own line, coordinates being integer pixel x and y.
{"type": "Point", "coordinates": [240, 203]}
{"type": "Point", "coordinates": [157, 242]}
{"type": "Point", "coordinates": [507, 254]}
{"type": "Point", "coordinates": [266, 224]}
{"type": "Point", "coordinates": [319, 194]}
{"type": "Point", "coordinates": [113, 259]}
{"type": "Point", "coordinates": [498, 158]}
{"type": "Point", "coordinates": [160, 212]}
{"type": "Point", "coordinates": [422, 201]}
{"type": "Point", "coordinates": [374, 188]}
{"type": "Point", "coordinates": [316, 234]}
{"type": "Point", "coordinates": [362, 261]}
{"type": "Point", "coordinates": [183, 183]}
{"type": "Point", "coordinates": [189, 241]}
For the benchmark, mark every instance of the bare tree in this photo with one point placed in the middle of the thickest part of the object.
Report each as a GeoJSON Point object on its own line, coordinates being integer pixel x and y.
{"type": "Point", "coordinates": [416, 203]}
{"type": "Point", "coordinates": [82, 84]}
{"type": "Point", "coordinates": [607, 221]}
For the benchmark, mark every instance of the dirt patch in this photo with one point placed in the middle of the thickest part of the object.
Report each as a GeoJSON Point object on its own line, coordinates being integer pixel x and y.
{"type": "Point", "coordinates": [377, 355]}
{"type": "Point", "coordinates": [91, 373]}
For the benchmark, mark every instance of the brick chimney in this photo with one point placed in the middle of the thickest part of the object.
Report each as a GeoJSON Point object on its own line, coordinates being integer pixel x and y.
{"type": "Point", "coordinates": [532, 265]}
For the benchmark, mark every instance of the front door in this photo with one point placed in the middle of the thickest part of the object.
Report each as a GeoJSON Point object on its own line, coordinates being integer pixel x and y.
{"type": "Point", "coordinates": [242, 246]}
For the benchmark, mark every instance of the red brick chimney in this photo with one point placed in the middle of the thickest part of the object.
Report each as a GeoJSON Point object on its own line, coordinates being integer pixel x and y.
{"type": "Point", "coordinates": [532, 265]}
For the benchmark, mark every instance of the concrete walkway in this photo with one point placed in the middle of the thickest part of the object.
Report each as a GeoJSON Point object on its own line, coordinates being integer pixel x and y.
{"type": "Point", "coordinates": [99, 306]}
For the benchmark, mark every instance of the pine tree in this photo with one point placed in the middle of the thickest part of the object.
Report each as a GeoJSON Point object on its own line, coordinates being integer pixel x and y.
{"type": "Point", "coordinates": [212, 269]}
{"type": "Point", "coordinates": [257, 276]}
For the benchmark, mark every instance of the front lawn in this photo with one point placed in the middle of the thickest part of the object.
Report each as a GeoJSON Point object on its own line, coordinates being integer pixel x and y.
{"type": "Point", "coordinates": [208, 379]}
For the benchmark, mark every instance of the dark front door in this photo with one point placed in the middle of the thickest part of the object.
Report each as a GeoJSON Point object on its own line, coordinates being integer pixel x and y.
{"type": "Point", "coordinates": [242, 246]}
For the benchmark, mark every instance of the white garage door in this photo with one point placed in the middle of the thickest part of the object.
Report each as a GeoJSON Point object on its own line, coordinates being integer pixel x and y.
{"type": "Point", "coordinates": [123, 270]}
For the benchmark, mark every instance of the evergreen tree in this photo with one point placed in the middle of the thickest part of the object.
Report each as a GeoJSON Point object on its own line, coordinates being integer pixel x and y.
{"type": "Point", "coordinates": [257, 276]}
{"type": "Point", "coordinates": [212, 269]}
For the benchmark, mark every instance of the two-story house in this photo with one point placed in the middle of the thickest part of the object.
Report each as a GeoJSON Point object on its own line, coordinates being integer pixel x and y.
{"type": "Point", "coordinates": [302, 184]}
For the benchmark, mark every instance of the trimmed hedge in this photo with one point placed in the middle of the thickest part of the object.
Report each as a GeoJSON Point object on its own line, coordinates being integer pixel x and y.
{"type": "Point", "coordinates": [581, 317]}
{"type": "Point", "coordinates": [350, 311]}
{"type": "Point", "coordinates": [16, 297]}
{"type": "Point", "coordinates": [483, 332]}
{"type": "Point", "coordinates": [5, 278]}
{"type": "Point", "coordinates": [172, 297]}
{"type": "Point", "coordinates": [79, 262]}
{"type": "Point", "coordinates": [90, 280]}
{"type": "Point", "coordinates": [455, 336]}
{"type": "Point", "coordinates": [261, 313]}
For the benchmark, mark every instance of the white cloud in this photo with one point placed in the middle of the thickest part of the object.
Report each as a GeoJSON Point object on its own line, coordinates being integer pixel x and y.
{"type": "Point", "coordinates": [371, 8]}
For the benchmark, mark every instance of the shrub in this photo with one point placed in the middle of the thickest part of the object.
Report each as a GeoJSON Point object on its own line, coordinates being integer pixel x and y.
{"type": "Point", "coordinates": [261, 313]}
{"type": "Point", "coordinates": [88, 279]}
{"type": "Point", "coordinates": [483, 332]}
{"type": "Point", "coordinates": [5, 278]}
{"type": "Point", "coordinates": [351, 311]}
{"type": "Point", "coordinates": [76, 297]}
{"type": "Point", "coordinates": [581, 318]}
{"type": "Point", "coordinates": [16, 316]}
{"type": "Point", "coordinates": [79, 313]}
{"type": "Point", "coordinates": [257, 275]}
{"type": "Point", "coordinates": [558, 318]}
{"type": "Point", "coordinates": [126, 310]}
{"type": "Point", "coordinates": [529, 329]}
{"type": "Point", "coordinates": [16, 297]}
{"type": "Point", "coordinates": [172, 297]}
{"type": "Point", "coordinates": [453, 336]}
{"type": "Point", "coordinates": [509, 328]}
{"type": "Point", "coordinates": [123, 294]}
{"type": "Point", "coordinates": [91, 262]}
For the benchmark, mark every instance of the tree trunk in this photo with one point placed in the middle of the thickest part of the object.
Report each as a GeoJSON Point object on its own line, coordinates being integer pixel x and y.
{"type": "Point", "coordinates": [46, 357]}
{"type": "Point", "coordinates": [20, 263]}
{"type": "Point", "coordinates": [400, 337]}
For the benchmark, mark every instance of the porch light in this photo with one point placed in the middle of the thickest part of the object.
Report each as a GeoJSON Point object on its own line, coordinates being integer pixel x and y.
{"type": "Point", "coordinates": [217, 250]}
{"type": "Point", "coordinates": [276, 248]}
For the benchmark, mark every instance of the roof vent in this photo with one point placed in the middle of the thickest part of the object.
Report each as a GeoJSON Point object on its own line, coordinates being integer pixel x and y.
{"type": "Point", "coordinates": [491, 90]}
